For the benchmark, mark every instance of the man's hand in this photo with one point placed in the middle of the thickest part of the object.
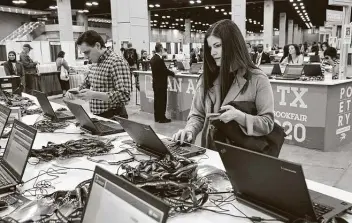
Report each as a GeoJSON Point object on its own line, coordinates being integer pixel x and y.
{"type": "Point", "coordinates": [87, 94]}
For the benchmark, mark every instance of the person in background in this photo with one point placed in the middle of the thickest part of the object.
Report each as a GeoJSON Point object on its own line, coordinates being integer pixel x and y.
{"type": "Point", "coordinates": [285, 53]}
{"type": "Point", "coordinates": [304, 49]}
{"type": "Point", "coordinates": [108, 85]}
{"type": "Point", "coordinates": [260, 57]}
{"type": "Point", "coordinates": [61, 63]}
{"type": "Point", "coordinates": [330, 58]}
{"type": "Point", "coordinates": [193, 57]}
{"type": "Point", "coordinates": [249, 48]}
{"type": "Point", "coordinates": [14, 68]}
{"type": "Point", "coordinates": [160, 74]}
{"type": "Point", "coordinates": [201, 55]}
{"type": "Point", "coordinates": [144, 61]}
{"type": "Point", "coordinates": [324, 46]}
{"type": "Point", "coordinates": [294, 56]}
{"type": "Point", "coordinates": [122, 51]}
{"type": "Point", "coordinates": [30, 69]}
{"type": "Point", "coordinates": [131, 56]}
{"type": "Point", "coordinates": [164, 54]}
{"type": "Point", "coordinates": [229, 76]}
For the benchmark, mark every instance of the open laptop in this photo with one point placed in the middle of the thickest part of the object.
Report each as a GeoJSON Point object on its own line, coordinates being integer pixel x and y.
{"type": "Point", "coordinates": [48, 109]}
{"type": "Point", "coordinates": [195, 68]}
{"type": "Point", "coordinates": [276, 70]}
{"type": "Point", "coordinates": [180, 66]}
{"type": "Point", "coordinates": [15, 156]}
{"type": "Point", "coordinates": [114, 199]}
{"type": "Point", "coordinates": [312, 70]}
{"type": "Point", "coordinates": [267, 69]}
{"type": "Point", "coordinates": [149, 143]}
{"type": "Point", "coordinates": [314, 59]}
{"type": "Point", "coordinates": [94, 127]}
{"type": "Point", "coordinates": [276, 187]}
{"type": "Point", "coordinates": [4, 117]}
{"type": "Point", "coordinates": [292, 72]}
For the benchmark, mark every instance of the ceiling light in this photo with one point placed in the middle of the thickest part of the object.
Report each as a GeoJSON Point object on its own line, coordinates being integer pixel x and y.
{"type": "Point", "coordinates": [155, 21]}
{"type": "Point", "coordinates": [199, 1]}
{"type": "Point", "coordinates": [156, 15]}
{"type": "Point", "coordinates": [181, 19]}
{"type": "Point", "coordinates": [216, 10]}
{"type": "Point", "coordinates": [230, 13]}
{"type": "Point", "coordinates": [296, 7]}
{"type": "Point", "coordinates": [294, 4]}
{"type": "Point", "coordinates": [206, 7]}
{"type": "Point", "coordinates": [167, 23]}
{"type": "Point", "coordinates": [191, 2]}
{"type": "Point", "coordinates": [176, 20]}
{"type": "Point", "coordinates": [86, 11]}
{"type": "Point", "coordinates": [157, 5]}
{"type": "Point", "coordinates": [225, 13]}
{"type": "Point", "coordinates": [53, 7]}
{"type": "Point", "coordinates": [88, 4]}
{"type": "Point", "coordinates": [207, 24]}
{"type": "Point", "coordinates": [222, 10]}
{"type": "Point", "coordinates": [164, 17]}
{"type": "Point", "coordinates": [291, 0]}
{"type": "Point", "coordinates": [213, 7]}
{"type": "Point", "coordinates": [151, 6]}
{"type": "Point", "coordinates": [301, 3]}
{"type": "Point", "coordinates": [95, 3]}
{"type": "Point", "coordinates": [302, 7]}
{"type": "Point", "coordinates": [250, 21]}
{"type": "Point", "coordinates": [80, 11]}
{"type": "Point", "coordinates": [168, 16]}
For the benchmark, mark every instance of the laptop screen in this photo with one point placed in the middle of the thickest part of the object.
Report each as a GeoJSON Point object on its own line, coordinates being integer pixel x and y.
{"type": "Point", "coordinates": [45, 104]}
{"type": "Point", "coordinates": [4, 115]}
{"type": "Point", "coordinates": [120, 200]}
{"type": "Point", "coordinates": [295, 70]}
{"type": "Point", "coordinates": [82, 116]}
{"type": "Point", "coordinates": [18, 147]}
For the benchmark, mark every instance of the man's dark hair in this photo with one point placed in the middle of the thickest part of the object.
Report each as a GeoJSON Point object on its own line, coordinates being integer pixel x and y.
{"type": "Point", "coordinates": [158, 47]}
{"type": "Point", "coordinates": [90, 38]}
{"type": "Point", "coordinates": [332, 52]}
{"type": "Point", "coordinates": [61, 54]}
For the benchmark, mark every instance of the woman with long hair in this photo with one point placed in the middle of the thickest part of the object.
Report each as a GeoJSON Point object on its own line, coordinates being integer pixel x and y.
{"type": "Point", "coordinates": [285, 53]}
{"type": "Point", "coordinates": [294, 56]}
{"type": "Point", "coordinates": [13, 67]}
{"type": "Point", "coordinates": [61, 63]}
{"type": "Point", "coordinates": [229, 76]}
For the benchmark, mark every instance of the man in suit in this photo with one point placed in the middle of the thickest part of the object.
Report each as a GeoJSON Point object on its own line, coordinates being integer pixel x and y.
{"type": "Point", "coordinates": [160, 74]}
{"type": "Point", "coordinates": [260, 57]}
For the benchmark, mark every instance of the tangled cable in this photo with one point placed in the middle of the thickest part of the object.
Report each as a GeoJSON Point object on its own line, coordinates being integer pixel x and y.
{"type": "Point", "coordinates": [72, 148]}
{"type": "Point", "coordinates": [46, 125]}
{"type": "Point", "coordinates": [173, 179]}
{"type": "Point", "coordinates": [23, 102]}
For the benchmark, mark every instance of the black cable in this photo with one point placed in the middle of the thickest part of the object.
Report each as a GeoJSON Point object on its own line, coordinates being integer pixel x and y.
{"type": "Point", "coordinates": [221, 192]}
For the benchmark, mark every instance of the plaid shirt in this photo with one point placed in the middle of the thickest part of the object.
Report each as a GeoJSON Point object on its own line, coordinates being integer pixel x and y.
{"type": "Point", "coordinates": [112, 75]}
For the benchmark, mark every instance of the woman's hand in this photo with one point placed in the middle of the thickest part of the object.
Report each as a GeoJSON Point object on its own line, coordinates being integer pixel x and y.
{"type": "Point", "coordinates": [230, 114]}
{"type": "Point", "coordinates": [183, 136]}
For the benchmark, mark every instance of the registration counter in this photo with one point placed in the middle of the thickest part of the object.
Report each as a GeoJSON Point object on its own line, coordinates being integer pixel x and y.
{"type": "Point", "coordinates": [315, 114]}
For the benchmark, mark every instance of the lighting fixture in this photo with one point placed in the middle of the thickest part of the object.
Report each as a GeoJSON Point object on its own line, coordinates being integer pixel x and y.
{"type": "Point", "coordinates": [291, 0]}
{"type": "Point", "coordinates": [164, 17]}
{"type": "Point", "coordinates": [191, 2]}
{"type": "Point", "coordinates": [52, 7]}
{"type": "Point", "coordinates": [206, 7]}
{"type": "Point", "coordinates": [181, 19]}
{"type": "Point", "coordinates": [151, 6]}
{"type": "Point", "coordinates": [296, 7]}
{"type": "Point", "coordinates": [199, 1]}
{"type": "Point", "coordinates": [222, 10]}
{"type": "Point", "coordinates": [225, 13]}
{"type": "Point", "coordinates": [301, 3]}
{"type": "Point", "coordinates": [176, 20]}
{"type": "Point", "coordinates": [302, 7]}
{"type": "Point", "coordinates": [294, 4]}
{"type": "Point", "coordinates": [216, 10]}
{"type": "Point", "coordinates": [168, 16]}
{"type": "Point", "coordinates": [19, 2]}
{"type": "Point", "coordinates": [167, 23]}
{"type": "Point", "coordinates": [155, 21]}
{"type": "Point", "coordinates": [156, 15]}
{"type": "Point", "coordinates": [213, 7]}
{"type": "Point", "coordinates": [157, 5]}
{"type": "Point", "coordinates": [88, 4]}
{"type": "Point", "coordinates": [95, 3]}
{"type": "Point", "coordinates": [85, 10]}
{"type": "Point", "coordinates": [230, 13]}
{"type": "Point", "coordinates": [80, 11]}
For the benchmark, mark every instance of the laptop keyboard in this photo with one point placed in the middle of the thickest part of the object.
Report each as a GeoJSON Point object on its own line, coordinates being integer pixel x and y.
{"type": "Point", "coordinates": [320, 209]}
{"type": "Point", "coordinates": [174, 147]}
{"type": "Point", "coordinates": [62, 114]}
{"type": "Point", "coordinates": [103, 128]}
{"type": "Point", "coordinates": [4, 181]}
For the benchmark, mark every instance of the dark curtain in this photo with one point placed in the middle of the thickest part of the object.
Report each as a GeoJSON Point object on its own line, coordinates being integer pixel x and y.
{"type": "Point", "coordinates": [54, 51]}
{"type": "Point", "coordinates": [176, 48]}
{"type": "Point", "coordinates": [3, 53]}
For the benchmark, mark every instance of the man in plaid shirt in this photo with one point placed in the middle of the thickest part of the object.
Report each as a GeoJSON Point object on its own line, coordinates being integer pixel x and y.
{"type": "Point", "coordinates": [108, 85]}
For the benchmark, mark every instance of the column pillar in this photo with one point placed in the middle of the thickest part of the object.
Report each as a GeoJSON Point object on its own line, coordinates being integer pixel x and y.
{"type": "Point", "coordinates": [64, 13]}
{"type": "Point", "coordinates": [299, 35]}
{"type": "Point", "coordinates": [282, 28]}
{"type": "Point", "coordinates": [268, 24]}
{"type": "Point", "coordinates": [187, 39]}
{"type": "Point", "coordinates": [238, 9]}
{"type": "Point", "coordinates": [290, 32]}
{"type": "Point", "coordinates": [295, 33]}
{"type": "Point", "coordinates": [334, 31]}
{"type": "Point", "coordinates": [130, 24]}
{"type": "Point", "coordinates": [82, 20]}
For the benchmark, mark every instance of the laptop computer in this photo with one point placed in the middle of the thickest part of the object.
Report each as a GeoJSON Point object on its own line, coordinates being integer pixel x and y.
{"type": "Point", "coordinates": [4, 117]}
{"type": "Point", "coordinates": [94, 127]}
{"type": "Point", "coordinates": [112, 197]}
{"type": "Point", "coordinates": [292, 72]}
{"type": "Point", "coordinates": [314, 59]}
{"type": "Point", "coordinates": [276, 70]}
{"type": "Point", "coordinates": [276, 187]}
{"type": "Point", "coordinates": [267, 69]}
{"type": "Point", "coordinates": [48, 109]}
{"type": "Point", "coordinates": [15, 156]}
{"type": "Point", "coordinates": [180, 66]}
{"type": "Point", "coordinates": [195, 68]}
{"type": "Point", "coordinates": [312, 70]}
{"type": "Point", "coordinates": [149, 143]}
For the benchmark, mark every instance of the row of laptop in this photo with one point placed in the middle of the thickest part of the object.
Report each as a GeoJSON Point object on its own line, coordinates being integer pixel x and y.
{"type": "Point", "coordinates": [291, 72]}
{"type": "Point", "coordinates": [271, 185]}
